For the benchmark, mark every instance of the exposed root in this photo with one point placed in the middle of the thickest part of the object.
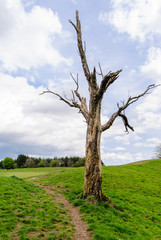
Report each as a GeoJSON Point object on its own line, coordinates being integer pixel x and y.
{"type": "Point", "coordinates": [106, 199]}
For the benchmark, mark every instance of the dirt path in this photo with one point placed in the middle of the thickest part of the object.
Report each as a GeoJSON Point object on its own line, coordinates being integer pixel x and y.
{"type": "Point", "coordinates": [80, 227]}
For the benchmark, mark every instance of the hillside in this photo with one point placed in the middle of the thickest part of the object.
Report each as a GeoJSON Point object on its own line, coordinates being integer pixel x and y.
{"type": "Point", "coordinates": [140, 162]}
{"type": "Point", "coordinates": [133, 189]}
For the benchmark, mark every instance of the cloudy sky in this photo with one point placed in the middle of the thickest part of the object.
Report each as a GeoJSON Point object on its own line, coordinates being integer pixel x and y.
{"type": "Point", "coordinates": [38, 50]}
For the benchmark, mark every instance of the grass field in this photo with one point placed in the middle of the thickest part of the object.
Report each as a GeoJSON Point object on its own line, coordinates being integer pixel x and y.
{"type": "Point", "coordinates": [27, 212]}
{"type": "Point", "coordinates": [134, 189]}
{"type": "Point", "coordinates": [29, 172]}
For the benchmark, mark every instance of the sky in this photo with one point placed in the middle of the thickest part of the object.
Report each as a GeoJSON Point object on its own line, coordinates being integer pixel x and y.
{"type": "Point", "coordinates": [38, 50]}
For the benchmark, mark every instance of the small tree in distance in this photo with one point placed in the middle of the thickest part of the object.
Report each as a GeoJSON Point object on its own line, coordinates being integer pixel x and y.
{"type": "Point", "coordinates": [157, 153]}
{"type": "Point", "coordinates": [8, 163]}
{"type": "Point", "coordinates": [30, 163]}
{"type": "Point", "coordinates": [21, 160]}
{"type": "Point", "coordinates": [92, 114]}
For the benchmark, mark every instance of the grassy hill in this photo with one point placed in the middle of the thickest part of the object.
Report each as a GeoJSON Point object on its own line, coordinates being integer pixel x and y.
{"type": "Point", "coordinates": [134, 189]}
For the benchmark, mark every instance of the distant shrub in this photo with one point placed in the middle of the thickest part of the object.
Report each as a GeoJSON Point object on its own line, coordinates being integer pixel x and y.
{"type": "Point", "coordinates": [79, 163]}
{"type": "Point", "coordinates": [53, 163]}
{"type": "Point", "coordinates": [1, 164]}
{"type": "Point", "coordinates": [8, 163]}
{"type": "Point", "coordinates": [30, 163]}
{"type": "Point", "coordinates": [15, 165]}
{"type": "Point", "coordinates": [15, 177]}
{"type": "Point", "coordinates": [41, 164]}
{"type": "Point", "coordinates": [47, 162]}
{"type": "Point", "coordinates": [62, 164]}
{"type": "Point", "coordinates": [157, 153]}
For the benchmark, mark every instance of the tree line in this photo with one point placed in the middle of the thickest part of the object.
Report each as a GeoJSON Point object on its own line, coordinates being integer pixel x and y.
{"type": "Point", "coordinates": [24, 161]}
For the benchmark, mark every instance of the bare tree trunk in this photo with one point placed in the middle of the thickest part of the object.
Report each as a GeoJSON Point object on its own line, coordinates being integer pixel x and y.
{"type": "Point", "coordinates": [93, 167]}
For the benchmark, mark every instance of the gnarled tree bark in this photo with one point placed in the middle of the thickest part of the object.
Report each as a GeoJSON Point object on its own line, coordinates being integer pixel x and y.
{"type": "Point", "coordinates": [92, 115]}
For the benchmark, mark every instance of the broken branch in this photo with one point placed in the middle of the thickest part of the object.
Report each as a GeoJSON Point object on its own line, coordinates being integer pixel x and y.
{"type": "Point", "coordinates": [107, 80]}
{"type": "Point", "coordinates": [80, 47]}
{"type": "Point", "coordinates": [126, 123]}
{"type": "Point", "coordinates": [120, 109]}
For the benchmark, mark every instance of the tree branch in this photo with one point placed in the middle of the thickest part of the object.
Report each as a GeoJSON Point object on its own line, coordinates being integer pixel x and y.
{"type": "Point", "coordinates": [93, 81]}
{"type": "Point", "coordinates": [107, 80]}
{"type": "Point", "coordinates": [72, 102]}
{"type": "Point", "coordinates": [83, 105]}
{"type": "Point", "coordinates": [101, 73]}
{"type": "Point", "coordinates": [80, 47]}
{"type": "Point", "coordinates": [126, 123]}
{"type": "Point", "coordinates": [61, 98]}
{"type": "Point", "coordinates": [77, 84]}
{"type": "Point", "coordinates": [125, 105]}
{"type": "Point", "coordinates": [134, 99]}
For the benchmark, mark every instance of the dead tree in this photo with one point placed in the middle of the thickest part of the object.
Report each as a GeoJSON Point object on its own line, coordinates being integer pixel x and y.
{"type": "Point", "coordinates": [92, 114]}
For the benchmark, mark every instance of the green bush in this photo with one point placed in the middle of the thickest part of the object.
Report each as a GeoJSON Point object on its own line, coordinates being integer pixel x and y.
{"type": "Point", "coordinates": [62, 165]}
{"type": "Point", "coordinates": [8, 163]}
{"type": "Point", "coordinates": [41, 164]}
{"type": "Point", "coordinates": [79, 163]}
{"type": "Point", "coordinates": [53, 163]}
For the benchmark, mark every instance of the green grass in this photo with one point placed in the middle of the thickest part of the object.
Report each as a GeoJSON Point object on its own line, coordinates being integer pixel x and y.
{"type": "Point", "coordinates": [29, 172]}
{"type": "Point", "coordinates": [27, 212]}
{"type": "Point", "coordinates": [134, 189]}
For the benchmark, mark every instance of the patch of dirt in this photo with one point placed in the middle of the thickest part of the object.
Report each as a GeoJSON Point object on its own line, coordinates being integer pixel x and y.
{"type": "Point", "coordinates": [33, 178]}
{"type": "Point", "coordinates": [81, 232]}
{"type": "Point", "coordinates": [16, 232]}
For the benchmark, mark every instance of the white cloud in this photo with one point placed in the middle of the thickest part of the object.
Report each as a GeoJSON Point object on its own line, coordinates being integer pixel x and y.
{"type": "Point", "coordinates": [149, 112]}
{"type": "Point", "coordinates": [74, 1]}
{"type": "Point", "coordinates": [113, 158]}
{"type": "Point", "coordinates": [154, 140]}
{"type": "Point", "coordinates": [143, 144]}
{"type": "Point", "coordinates": [124, 139]}
{"type": "Point", "coordinates": [149, 143]}
{"type": "Point", "coordinates": [151, 104]}
{"type": "Point", "coordinates": [139, 18]}
{"type": "Point", "coordinates": [119, 149]}
{"type": "Point", "coordinates": [152, 68]}
{"type": "Point", "coordinates": [27, 38]}
{"type": "Point", "coordinates": [28, 119]}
